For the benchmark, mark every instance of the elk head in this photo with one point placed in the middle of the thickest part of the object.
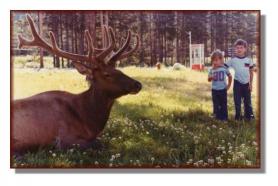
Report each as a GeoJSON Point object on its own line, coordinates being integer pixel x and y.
{"type": "Point", "coordinates": [98, 65]}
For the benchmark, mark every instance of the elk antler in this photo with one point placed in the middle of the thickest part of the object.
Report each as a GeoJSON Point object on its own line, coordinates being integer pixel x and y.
{"type": "Point", "coordinates": [94, 54]}
{"type": "Point", "coordinates": [89, 39]}
{"type": "Point", "coordinates": [121, 53]}
{"type": "Point", "coordinates": [128, 53]}
{"type": "Point", "coordinates": [110, 44]}
{"type": "Point", "coordinates": [39, 42]}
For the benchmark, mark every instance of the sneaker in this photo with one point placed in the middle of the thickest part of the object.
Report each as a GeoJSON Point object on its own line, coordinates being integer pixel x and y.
{"type": "Point", "coordinates": [250, 118]}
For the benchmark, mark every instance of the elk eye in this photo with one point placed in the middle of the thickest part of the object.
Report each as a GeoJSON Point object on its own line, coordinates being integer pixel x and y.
{"type": "Point", "coordinates": [106, 74]}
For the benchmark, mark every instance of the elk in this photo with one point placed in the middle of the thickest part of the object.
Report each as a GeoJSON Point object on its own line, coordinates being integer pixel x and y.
{"type": "Point", "coordinates": [63, 118]}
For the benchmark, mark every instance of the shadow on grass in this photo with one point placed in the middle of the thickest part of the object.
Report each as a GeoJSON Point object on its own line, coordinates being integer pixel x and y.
{"type": "Point", "coordinates": [137, 112]}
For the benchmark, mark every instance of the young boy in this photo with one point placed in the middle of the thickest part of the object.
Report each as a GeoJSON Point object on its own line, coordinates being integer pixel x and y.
{"type": "Point", "coordinates": [243, 67]}
{"type": "Point", "coordinates": [217, 75]}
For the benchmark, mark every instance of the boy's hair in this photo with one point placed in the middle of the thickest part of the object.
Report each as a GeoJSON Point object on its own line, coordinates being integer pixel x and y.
{"type": "Point", "coordinates": [217, 54]}
{"type": "Point", "coordinates": [241, 42]}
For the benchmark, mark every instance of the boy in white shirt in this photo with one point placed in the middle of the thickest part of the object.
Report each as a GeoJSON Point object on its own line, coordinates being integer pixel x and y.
{"type": "Point", "coordinates": [243, 78]}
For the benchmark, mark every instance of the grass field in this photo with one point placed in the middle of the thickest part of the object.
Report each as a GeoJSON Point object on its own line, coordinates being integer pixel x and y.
{"type": "Point", "coordinates": [168, 124]}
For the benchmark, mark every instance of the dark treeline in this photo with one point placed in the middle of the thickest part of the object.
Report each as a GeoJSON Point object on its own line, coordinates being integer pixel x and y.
{"type": "Point", "coordinates": [164, 35]}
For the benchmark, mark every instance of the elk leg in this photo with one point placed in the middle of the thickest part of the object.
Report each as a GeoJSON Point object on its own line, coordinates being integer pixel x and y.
{"type": "Point", "coordinates": [97, 144]}
{"type": "Point", "coordinates": [94, 144]}
{"type": "Point", "coordinates": [64, 144]}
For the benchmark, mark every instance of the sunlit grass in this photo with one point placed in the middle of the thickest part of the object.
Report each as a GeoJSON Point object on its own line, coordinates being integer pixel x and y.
{"type": "Point", "coordinates": [167, 124]}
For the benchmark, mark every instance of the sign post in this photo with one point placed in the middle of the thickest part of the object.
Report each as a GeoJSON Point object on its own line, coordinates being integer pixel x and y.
{"type": "Point", "coordinates": [198, 57]}
{"type": "Point", "coordinates": [190, 50]}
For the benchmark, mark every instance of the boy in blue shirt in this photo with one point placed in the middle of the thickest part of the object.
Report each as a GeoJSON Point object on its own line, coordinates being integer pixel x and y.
{"type": "Point", "coordinates": [243, 67]}
{"type": "Point", "coordinates": [217, 75]}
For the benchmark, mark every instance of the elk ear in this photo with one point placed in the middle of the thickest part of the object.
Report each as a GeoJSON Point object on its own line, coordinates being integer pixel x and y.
{"type": "Point", "coordinates": [82, 69]}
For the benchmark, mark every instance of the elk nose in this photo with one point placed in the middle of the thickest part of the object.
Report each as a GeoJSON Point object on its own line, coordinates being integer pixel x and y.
{"type": "Point", "coordinates": [138, 86]}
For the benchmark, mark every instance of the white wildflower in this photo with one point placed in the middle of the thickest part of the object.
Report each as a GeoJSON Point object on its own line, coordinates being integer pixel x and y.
{"type": "Point", "coordinates": [241, 155]}
{"type": "Point", "coordinates": [211, 161]}
{"type": "Point", "coordinates": [112, 158]}
{"type": "Point", "coordinates": [218, 159]}
{"type": "Point", "coordinates": [118, 155]}
{"type": "Point", "coordinates": [248, 163]}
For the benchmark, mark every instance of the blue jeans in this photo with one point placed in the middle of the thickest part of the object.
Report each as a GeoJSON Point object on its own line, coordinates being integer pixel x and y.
{"type": "Point", "coordinates": [219, 99]}
{"type": "Point", "coordinates": [242, 92]}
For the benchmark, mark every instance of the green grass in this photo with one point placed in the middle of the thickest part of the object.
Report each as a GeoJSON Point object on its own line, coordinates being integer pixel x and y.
{"type": "Point", "coordinates": [167, 124]}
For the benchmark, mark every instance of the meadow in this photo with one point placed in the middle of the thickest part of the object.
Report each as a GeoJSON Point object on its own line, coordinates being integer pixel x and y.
{"type": "Point", "coordinates": [167, 124]}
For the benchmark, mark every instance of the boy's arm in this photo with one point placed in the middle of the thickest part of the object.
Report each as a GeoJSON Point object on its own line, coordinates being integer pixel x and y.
{"type": "Point", "coordinates": [210, 77]}
{"type": "Point", "coordinates": [229, 81]}
{"type": "Point", "coordinates": [228, 73]}
{"type": "Point", "coordinates": [251, 72]}
{"type": "Point", "coordinates": [251, 79]}
{"type": "Point", "coordinates": [228, 63]}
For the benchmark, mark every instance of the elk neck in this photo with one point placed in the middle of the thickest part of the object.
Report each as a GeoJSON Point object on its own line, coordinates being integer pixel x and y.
{"type": "Point", "coordinates": [96, 107]}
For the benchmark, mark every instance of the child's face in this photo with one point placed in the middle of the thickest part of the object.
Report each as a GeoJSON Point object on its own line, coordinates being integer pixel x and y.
{"type": "Point", "coordinates": [240, 50]}
{"type": "Point", "coordinates": [217, 62]}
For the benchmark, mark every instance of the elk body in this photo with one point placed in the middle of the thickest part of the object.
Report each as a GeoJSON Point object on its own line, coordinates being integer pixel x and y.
{"type": "Point", "coordinates": [63, 118]}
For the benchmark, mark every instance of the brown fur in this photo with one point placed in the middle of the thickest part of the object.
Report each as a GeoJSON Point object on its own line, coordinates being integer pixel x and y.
{"type": "Point", "coordinates": [60, 117]}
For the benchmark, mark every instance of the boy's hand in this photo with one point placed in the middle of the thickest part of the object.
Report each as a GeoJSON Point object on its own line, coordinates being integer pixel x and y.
{"type": "Point", "coordinates": [229, 81]}
{"type": "Point", "coordinates": [210, 78]}
{"type": "Point", "coordinates": [250, 87]}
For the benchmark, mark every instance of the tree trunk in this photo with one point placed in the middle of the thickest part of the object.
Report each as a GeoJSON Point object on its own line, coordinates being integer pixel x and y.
{"type": "Point", "coordinates": [141, 59]}
{"type": "Point", "coordinates": [61, 36]}
{"type": "Point", "coordinates": [177, 38]}
{"type": "Point", "coordinates": [67, 36]}
{"type": "Point", "coordinates": [40, 18]}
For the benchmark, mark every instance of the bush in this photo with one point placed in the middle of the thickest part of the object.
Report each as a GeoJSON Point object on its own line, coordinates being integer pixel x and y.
{"type": "Point", "coordinates": [178, 66]}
